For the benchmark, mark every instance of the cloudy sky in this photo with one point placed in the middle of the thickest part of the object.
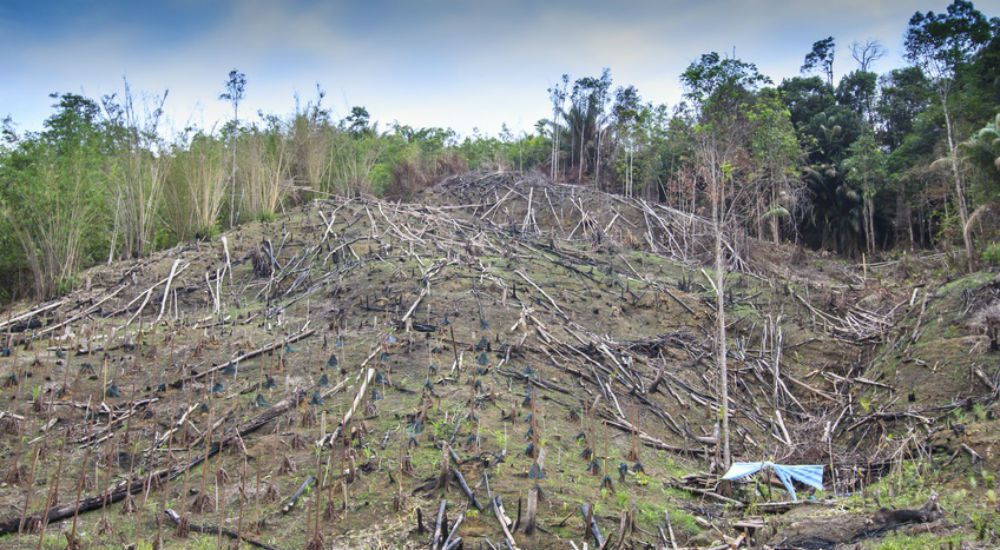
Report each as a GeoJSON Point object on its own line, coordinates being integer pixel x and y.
{"type": "Point", "coordinates": [461, 64]}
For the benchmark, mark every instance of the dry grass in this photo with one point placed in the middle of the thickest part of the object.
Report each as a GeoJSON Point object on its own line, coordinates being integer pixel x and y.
{"type": "Point", "coordinates": [196, 188]}
{"type": "Point", "coordinates": [138, 175]}
{"type": "Point", "coordinates": [264, 174]}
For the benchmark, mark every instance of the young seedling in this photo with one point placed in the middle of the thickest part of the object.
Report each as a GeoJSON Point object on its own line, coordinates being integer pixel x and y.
{"type": "Point", "coordinates": [316, 542]}
{"type": "Point", "coordinates": [30, 489]}
{"type": "Point", "coordinates": [203, 503]}
{"type": "Point", "coordinates": [242, 499]}
{"type": "Point", "coordinates": [399, 500]}
{"type": "Point", "coordinates": [72, 542]}
{"type": "Point", "coordinates": [50, 501]}
{"type": "Point", "coordinates": [183, 524]}
{"type": "Point", "coordinates": [537, 471]}
{"type": "Point", "coordinates": [330, 513]}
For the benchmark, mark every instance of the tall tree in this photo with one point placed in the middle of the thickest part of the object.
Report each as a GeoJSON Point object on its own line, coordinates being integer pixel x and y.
{"type": "Point", "coordinates": [904, 94]}
{"type": "Point", "coordinates": [806, 97]}
{"type": "Point", "coordinates": [719, 87]}
{"type": "Point", "coordinates": [626, 111]}
{"type": "Point", "coordinates": [865, 168]}
{"type": "Point", "coordinates": [856, 91]}
{"type": "Point", "coordinates": [52, 193]}
{"type": "Point", "coordinates": [557, 96]}
{"type": "Point", "coordinates": [589, 99]}
{"type": "Point", "coordinates": [235, 91]}
{"type": "Point", "coordinates": [357, 122]}
{"type": "Point", "coordinates": [820, 58]}
{"type": "Point", "coordinates": [941, 43]}
{"type": "Point", "coordinates": [775, 151]}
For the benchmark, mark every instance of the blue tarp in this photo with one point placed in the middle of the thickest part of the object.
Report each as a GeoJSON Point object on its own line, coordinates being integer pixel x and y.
{"type": "Point", "coordinates": [810, 474]}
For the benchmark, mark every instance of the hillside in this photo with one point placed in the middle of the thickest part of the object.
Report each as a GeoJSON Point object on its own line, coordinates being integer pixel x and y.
{"type": "Point", "coordinates": [342, 371]}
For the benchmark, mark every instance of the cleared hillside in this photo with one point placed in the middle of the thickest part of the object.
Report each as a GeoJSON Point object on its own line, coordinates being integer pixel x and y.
{"type": "Point", "coordinates": [344, 370]}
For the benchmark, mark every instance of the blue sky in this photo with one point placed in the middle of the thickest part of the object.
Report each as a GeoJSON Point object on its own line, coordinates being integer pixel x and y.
{"type": "Point", "coordinates": [444, 63]}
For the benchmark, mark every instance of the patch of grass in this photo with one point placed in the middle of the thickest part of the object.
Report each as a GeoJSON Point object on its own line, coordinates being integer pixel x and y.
{"type": "Point", "coordinates": [684, 522]}
{"type": "Point", "coordinates": [991, 253]}
{"type": "Point", "coordinates": [969, 282]}
{"type": "Point", "coordinates": [923, 541]}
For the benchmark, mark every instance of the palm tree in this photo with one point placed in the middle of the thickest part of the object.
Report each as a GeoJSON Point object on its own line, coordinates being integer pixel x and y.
{"type": "Point", "coordinates": [832, 212]}
{"type": "Point", "coordinates": [982, 152]}
{"type": "Point", "coordinates": [982, 149]}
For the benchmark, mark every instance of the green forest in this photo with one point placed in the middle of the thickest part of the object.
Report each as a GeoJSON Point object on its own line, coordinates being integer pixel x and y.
{"type": "Point", "coordinates": [868, 166]}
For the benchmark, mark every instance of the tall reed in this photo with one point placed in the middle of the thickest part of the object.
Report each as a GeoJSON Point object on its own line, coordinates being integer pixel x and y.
{"type": "Point", "coordinates": [264, 177]}
{"type": "Point", "coordinates": [137, 172]}
{"type": "Point", "coordinates": [196, 187]}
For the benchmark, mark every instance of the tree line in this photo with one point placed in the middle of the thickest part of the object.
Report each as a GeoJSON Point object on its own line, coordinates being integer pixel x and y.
{"type": "Point", "coordinates": [100, 181]}
{"type": "Point", "coordinates": [864, 165]}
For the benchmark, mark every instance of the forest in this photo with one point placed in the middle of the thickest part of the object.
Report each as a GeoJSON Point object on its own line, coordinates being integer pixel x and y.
{"type": "Point", "coordinates": [872, 164]}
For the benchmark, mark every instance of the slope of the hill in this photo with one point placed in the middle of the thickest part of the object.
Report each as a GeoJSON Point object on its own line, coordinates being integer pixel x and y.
{"type": "Point", "coordinates": [342, 371]}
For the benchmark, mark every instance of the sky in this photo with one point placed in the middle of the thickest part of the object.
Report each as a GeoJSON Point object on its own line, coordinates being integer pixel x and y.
{"type": "Point", "coordinates": [460, 64]}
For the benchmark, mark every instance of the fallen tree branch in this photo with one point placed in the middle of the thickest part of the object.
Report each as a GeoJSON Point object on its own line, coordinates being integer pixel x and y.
{"type": "Point", "coordinates": [212, 530]}
{"type": "Point", "coordinates": [502, 518]}
{"type": "Point", "coordinates": [332, 436]}
{"type": "Point", "coordinates": [465, 488]}
{"type": "Point", "coordinates": [595, 530]}
{"type": "Point", "coordinates": [124, 489]}
{"type": "Point", "coordinates": [294, 499]}
{"type": "Point", "coordinates": [247, 356]}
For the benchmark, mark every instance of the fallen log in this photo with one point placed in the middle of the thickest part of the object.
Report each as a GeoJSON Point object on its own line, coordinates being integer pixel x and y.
{"type": "Point", "coordinates": [451, 540]}
{"type": "Point", "coordinates": [211, 530]}
{"type": "Point", "coordinates": [329, 438]}
{"type": "Point", "coordinates": [52, 328]}
{"type": "Point", "coordinates": [595, 530]}
{"type": "Point", "coordinates": [465, 488]}
{"type": "Point", "coordinates": [294, 499]}
{"type": "Point", "coordinates": [711, 494]}
{"type": "Point", "coordinates": [135, 486]}
{"type": "Point", "coordinates": [849, 529]}
{"type": "Point", "coordinates": [439, 525]}
{"type": "Point", "coordinates": [246, 356]}
{"type": "Point", "coordinates": [28, 315]}
{"type": "Point", "coordinates": [504, 521]}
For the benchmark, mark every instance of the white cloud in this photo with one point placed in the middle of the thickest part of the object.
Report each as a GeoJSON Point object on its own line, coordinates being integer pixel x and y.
{"type": "Point", "coordinates": [459, 64]}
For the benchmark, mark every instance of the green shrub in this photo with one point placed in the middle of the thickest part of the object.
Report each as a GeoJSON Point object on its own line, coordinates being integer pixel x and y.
{"type": "Point", "coordinates": [991, 253]}
{"type": "Point", "coordinates": [684, 522]}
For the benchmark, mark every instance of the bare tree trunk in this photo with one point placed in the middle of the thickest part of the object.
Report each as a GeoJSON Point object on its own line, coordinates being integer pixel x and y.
{"type": "Point", "coordinates": [718, 203]}
{"type": "Point", "coordinates": [909, 228]}
{"type": "Point", "coordinates": [597, 167]}
{"type": "Point", "coordinates": [870, 219]}
{"type": "Point", "coordinates": [963, 210]}
{"type": "Point", "coordinates": [555, 144]}
{"type": "Point", "coordinates": [114, 232]}
{"type": "Point", "coordinates": [232, 177]}
{"type": "Point", "coordinates": [628, 168]}
{"type": "Point", "coordinates": [761, 212]}
{"type": "Point", "coordinates": [631, 157]}
{"type": "Point", "coordinates": [775, 222]}
{"type": "Point", "coordinates": [574, 155]}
